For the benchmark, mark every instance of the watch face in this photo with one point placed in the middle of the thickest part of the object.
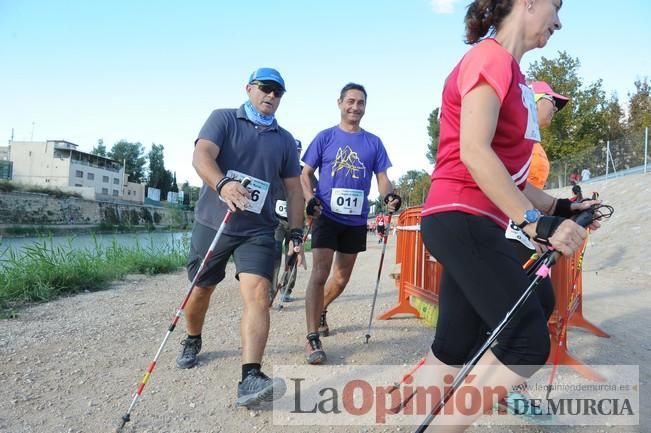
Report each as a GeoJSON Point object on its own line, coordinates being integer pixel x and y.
{"type": "Point", "coordinates": [532, 215]}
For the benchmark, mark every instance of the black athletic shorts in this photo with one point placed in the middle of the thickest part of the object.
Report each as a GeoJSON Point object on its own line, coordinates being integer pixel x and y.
{"type": "Point", "coordinates": [482, 279]}
{"type": "Point", "coordinates": [252, 255]}
{"type": "Point", "coordinates": [332, 235]}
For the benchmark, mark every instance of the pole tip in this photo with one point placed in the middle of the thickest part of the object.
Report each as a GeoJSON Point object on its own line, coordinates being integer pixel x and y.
{"type": "Point", "coordinates": [125, 419]}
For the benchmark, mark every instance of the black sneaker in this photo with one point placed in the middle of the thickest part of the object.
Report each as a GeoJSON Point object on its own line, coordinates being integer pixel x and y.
{"type": "Point", "coordinates": [189, 356]}
{"type": "Point", "coordinates": [257, 388]}
{"type": "Point", "coordinates": [314, 353]}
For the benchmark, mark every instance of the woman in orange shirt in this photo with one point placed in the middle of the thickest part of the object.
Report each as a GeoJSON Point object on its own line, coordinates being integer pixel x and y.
{"type": "Point", "coordinates": [548, 103]}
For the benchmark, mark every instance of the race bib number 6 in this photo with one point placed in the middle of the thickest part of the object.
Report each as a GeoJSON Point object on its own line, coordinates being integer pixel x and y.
{"type": "Point", "coordinates": [347, 201]}
{"type": "Point", "coordinates": [258, 189]}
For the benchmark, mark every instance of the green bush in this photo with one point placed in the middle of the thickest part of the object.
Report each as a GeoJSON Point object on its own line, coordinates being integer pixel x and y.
{"type": "Point", "coordinates": [43, 271]}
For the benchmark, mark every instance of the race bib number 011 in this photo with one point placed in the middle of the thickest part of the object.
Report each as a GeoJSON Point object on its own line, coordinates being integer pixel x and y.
{"type": "Point", "coordinates": [258, 189]}
{"type": "Point", "coordinates": [347, 201]}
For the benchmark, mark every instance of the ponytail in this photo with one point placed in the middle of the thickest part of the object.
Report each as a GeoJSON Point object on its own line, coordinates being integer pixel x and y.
{"type": "Point", "coordinates": [484, 17]}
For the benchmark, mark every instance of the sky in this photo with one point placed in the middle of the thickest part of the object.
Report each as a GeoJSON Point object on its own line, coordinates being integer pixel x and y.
{"type": "Point", "coordinates": [152, 71]}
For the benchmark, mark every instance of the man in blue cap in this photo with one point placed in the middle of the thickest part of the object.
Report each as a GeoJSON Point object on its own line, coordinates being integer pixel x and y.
{"type": "Point", "coordinates": [233, 144]}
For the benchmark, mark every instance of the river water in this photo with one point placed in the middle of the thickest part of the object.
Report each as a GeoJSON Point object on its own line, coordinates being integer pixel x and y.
{"type": "Point", "coordinates": [87, 241]}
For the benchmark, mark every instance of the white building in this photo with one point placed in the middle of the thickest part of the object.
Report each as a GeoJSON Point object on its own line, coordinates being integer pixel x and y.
{"type": "Point", "coordinates": [58, 163]}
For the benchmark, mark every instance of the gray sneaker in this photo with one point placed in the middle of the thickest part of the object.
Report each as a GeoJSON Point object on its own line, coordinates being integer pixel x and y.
{"type": "Point", "coordinates": [257, 388]}
{"type": "Point", "coordinates": [189, 356]}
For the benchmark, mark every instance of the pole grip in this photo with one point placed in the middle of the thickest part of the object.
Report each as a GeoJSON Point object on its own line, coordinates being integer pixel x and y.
{"type": "Point", "coordinates": [585, 218]}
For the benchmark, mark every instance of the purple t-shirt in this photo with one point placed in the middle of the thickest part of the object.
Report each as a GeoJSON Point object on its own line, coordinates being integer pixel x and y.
{"type": "Point", "coordinates": [346, 162]}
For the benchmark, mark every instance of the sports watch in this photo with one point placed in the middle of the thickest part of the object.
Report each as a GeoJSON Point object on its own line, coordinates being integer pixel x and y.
{"type": "Point", "coordinates": [530, 217]}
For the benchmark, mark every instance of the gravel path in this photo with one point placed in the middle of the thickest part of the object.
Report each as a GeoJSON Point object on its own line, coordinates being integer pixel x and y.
{"type": "Point", "coordinates": [71, 365]}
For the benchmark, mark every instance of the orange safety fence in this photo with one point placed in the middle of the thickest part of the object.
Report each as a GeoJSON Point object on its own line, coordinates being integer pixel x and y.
{"type": "Point", "coordinates": [567, 279]}
{"type": "Point", "coordinates": [420, 275]}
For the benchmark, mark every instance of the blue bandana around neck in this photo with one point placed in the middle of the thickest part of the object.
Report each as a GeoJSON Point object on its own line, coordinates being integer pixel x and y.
{"type": "Point", "coordinates": [255, 116]}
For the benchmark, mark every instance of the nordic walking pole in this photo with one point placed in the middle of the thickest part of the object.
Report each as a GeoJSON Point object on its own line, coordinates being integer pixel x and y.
{"type": "Point", "coordinates": [150, 368]}
{"type": "Point", "coordinates": [546, 260]}
{"type": "Point", "coordinates": [379, 272]}
{"type": "Point", "coordinates": [292, 268]}
{"type": "Point", "coordinates": [397, 385]}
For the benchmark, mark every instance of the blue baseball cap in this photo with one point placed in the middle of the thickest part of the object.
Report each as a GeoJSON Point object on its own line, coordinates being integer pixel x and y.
{"type": "Point", "coordinates": [267, 74]}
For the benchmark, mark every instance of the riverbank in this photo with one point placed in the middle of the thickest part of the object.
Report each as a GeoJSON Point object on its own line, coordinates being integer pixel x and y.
{"type": "Point", "coordinates": [23, 211]}
{"type": "Point", "coordinates": [47, 268]}
{"type": "Point", "coordinates": [26, 230]}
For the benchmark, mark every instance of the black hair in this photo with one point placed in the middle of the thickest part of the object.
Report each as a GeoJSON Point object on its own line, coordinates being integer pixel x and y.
{"type": "Point", "coordinates": [484, 17]}
{"type": "Point", "coordinates": [352, 86]}
{"type": "Point", "coordinates": [576, 190]}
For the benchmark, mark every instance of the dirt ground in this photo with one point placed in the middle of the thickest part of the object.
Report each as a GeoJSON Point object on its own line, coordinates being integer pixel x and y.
{"type": "Point", "coordinates": [72, 365]}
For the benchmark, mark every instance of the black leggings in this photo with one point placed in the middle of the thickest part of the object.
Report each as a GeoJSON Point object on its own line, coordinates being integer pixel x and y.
{"type": "Point", "coordinates": [482, 279]}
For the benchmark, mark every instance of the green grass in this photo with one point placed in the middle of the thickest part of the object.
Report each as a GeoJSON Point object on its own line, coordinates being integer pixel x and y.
{"type": "Point", "coordinates": [43, 272]}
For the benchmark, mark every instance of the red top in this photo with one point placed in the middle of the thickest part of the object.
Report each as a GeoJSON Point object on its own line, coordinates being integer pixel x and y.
{"type": "Point", "coordinates": [453, 188]}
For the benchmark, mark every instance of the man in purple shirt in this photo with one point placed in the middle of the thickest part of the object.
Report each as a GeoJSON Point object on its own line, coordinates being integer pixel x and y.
{"type": "Point", "coordinates": [346, 157]}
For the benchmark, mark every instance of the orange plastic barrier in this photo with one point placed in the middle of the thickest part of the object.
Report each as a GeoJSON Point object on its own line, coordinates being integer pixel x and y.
{"type": "Point", "coordinates": [420, 275]}
{"type": "Point", "coordinates": [567, 280]}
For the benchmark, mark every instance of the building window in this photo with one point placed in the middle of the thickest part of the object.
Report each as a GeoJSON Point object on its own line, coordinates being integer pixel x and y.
{"type": "Point", "coordinates": [105, 191]}
{"type": "Point", "coordinates": [105, 179]}
{"type": "Point", "coordinates": [129, 192]}
{"type": "Point", "coordinates": [115, 193]}
{"type": "Point", "coordinates": [78, 184]}
{"type": "Point", "coordinates": [116, 181]}
{"type": "Point", "coordinates": [79, 173]}
{"type": "Point", "coordinates": [90, 176]}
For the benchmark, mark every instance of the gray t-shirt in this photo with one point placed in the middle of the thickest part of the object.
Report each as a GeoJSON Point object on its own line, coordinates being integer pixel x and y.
{"type": "Point", "coordinates": [266, 154]}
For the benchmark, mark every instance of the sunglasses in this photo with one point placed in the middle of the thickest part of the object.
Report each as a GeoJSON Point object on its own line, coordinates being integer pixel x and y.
{"type": "Point", "coordinates": [550, 99]}
{"type": "Point", "coordinates": [268, 88]}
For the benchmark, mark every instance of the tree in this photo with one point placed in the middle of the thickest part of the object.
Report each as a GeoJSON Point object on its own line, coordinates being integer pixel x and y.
{"type": "Point", "coordinates": [639, 107]}
{"type": "Point", "coordinates": [191, 193]}
{"type": "Point", "coordinates": [614, 120]}
{"type": "Point", "coordinates": [159, 177]}
{"type": "Point", "coordinates": [433, 130]}
{"type": "Point", "coordinates": [413, 187]}
{"type": "Point", "coordinates": [174, 187]}
{"type": "Point", "coordinates": [378, 203]}
{"type": "Point", "coordinates": [100, 149]}
{"type": "Point", "coordinates": [579, 132]}
{"type": "Point", "coordinates": [132, 154]}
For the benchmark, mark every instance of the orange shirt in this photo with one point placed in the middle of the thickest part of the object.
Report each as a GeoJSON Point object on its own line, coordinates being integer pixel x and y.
{"type": "Point", "coordinates": [539, 170]}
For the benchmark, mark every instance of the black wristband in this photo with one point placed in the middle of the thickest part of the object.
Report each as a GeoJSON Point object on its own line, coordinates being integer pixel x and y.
{"type": "Point", "coordinates": [311, 204]}
{"type": "Point", "coordinates": [546, 227]}
{"type": "Point", "coordinates": [224, 180]}
{"type": "Point", "coordinates": [296, 236]}
{"type": "Point", "coordinates": [563, 208]}
{"type": "Point", "coordinates": [393, 196]}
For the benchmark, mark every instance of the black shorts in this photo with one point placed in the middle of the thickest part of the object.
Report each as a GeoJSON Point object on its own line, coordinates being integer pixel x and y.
{"type": "Point", "coordinates": [380, 229]}
{"type": "Point", "coordinates": [252, 255]}
{"type": "Point", "coordinates": [482, 279]}
{"type": "Point", "coordinates": [332, 235]}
